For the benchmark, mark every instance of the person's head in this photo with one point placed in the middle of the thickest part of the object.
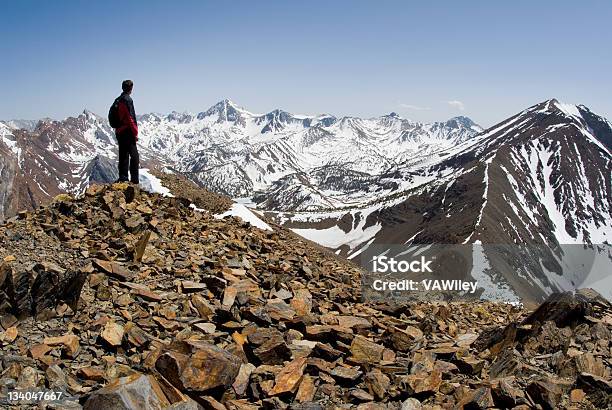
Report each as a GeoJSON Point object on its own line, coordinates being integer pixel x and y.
{"type": "Point", "coordinates": [127, 86]}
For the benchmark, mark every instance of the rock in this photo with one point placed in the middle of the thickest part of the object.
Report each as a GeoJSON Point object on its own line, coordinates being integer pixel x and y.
{"type": "Point", "coordinates": [135, 335]}
{"type": "Point", "coordinates": [372, 406]}
{"type": "Point", "coordinates": [466, 339]}
{"type": "Point", "coordinates": [141, 246]}
{"type": "Point", "coordinates": [240, 405]}
{"type": "Point", "coordinates": [7, 321]}
{"type": "Point", "coordinates": [411, 404]}
{"type": "Point", "coordinates": [126, 393]}
{"type": "Point", "coordinates": [113, 269]}
{"type": "Point", "coordinates": [15, 291]}
{"type": "Point", "coordinates": [211, 404]}
{"type": "Point", "coordinates": [282, 293]}
{"type": "Point", "coordinates": [188, 404]}
{"type": "Point", "coordinates": [319, 332]}
{"type": "Point", "coordinates": [302, 302]}
{"type": "Point", "coordinates": [205, 309]}
{"type": "Point", "coordinates": [354, 322]}
{"type": "Point", "coordinates": [361, 395]}
{"type": "Point", "coordinates": [146, 294]}
{"type": "Point", "coordinates": [278, 309]}
{"type": "Point", "coordinates": [198, 366]}
{"type": "Point", "coordinates": [469, 365]}
{"type": "Point", "coordinates": [422, 383]}
{"type": "Point", "coordinates": [587, 363]}
{"type": "Point", "coordinates": [597, 389]}
{"type": "Point", "coordinates": [229, 296]}
{"type": "Point", "coordinates": [273, 351]}
{"type": "Point", "coordinates": [9, 334]}
{"type": "Point", "coordinates": [378, 384]}
{"type": "Point", "coordinates": [113, 333]}
{"type": "Point", "coordinates": [289, 378]}
{"type": "Point", "coordinates": [365, 351]}
{"type": "Point", "coordinates": [242, 380]}
{"type": "Point", "coordinates": [577, 395]}
{"type": "Point", "coordinates": [134, 223]}
{"type": "Point", "coordinates": [479, 399]}
{"type": "Point", "coordinates": [548, 338]}
{"type": "Point", "coordinates": [28, 378]}
{"type": "Point", "coordinates": [69, 342]}
{"type": "Point", "coordinates": [496, 338]}
{"type": "Point", "coordinates": [94, 190]}
{"type": "Point", "coordinates": [54, 285]}
{"type": "Point", "coordinates": [189, 286]}
{"type": "Point", "coordinates": [508, 363]}
{"type": "Point", "coordinates": [306, 391]}
{"type": "Point", "coordinates": [91, 373]}
{"type": "Point", "coordinates": [55, 377]}
{"type": "Point", "coordinates": [39, 350]}
{"type": "Point", "coordinates": [444, 367]}
{"type": "Point", "coordinates": [545, 393]}
{"type": "Point", "coordinates": [564, 309]}
{"type": "Point", "coordinates": [505, 394]}
{"type": "Point", "coordinates": [325, 351]}
{"type": "Point", "coordinates": [208, 328]}
{"type": "Point", "coordinates": [342, 373]}
{"type": "Point", "coordinates": [404, 340]}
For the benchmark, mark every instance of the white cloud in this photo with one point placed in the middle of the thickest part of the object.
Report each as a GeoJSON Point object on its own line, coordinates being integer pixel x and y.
{"type": "Point", "coordinates": [414, 107]}
{"type": "Point", "coordinates": [459, 105]}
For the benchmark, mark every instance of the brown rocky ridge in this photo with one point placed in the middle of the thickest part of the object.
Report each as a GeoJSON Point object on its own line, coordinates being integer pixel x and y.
{"type": "Point", "coordinates": [123, 299]}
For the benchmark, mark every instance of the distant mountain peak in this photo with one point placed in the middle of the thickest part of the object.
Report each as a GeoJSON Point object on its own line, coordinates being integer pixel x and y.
{"type": "Point", "coordinates": [462, 121]}
{"type": "Point", "coordinates": [467, 121]}
{"type": "Point", "coordinates": [90, 114]}
{"type": "Point", "coordinates": [226, 110]}
{"type": "Point", "coordinates": [569, 110]}
{"type": "Point", "coordinates": [230, 103]}
{"type": "Point", "coordinates": [555, 106]}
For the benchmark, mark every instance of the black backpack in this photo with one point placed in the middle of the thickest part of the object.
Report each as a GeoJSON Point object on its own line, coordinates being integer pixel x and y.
{"type": "Point", "coordinates": [113, 114]}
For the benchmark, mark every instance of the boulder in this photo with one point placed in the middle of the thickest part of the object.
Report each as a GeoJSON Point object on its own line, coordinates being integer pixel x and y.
{"type": "Point", "coordinates": [198, 366]}
{"type": "Point", "coordinates": [364, 350]}
{"type": "Point", "coordinates": [128, 393]}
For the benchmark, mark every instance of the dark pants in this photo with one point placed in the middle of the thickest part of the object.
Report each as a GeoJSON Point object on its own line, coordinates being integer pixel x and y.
{"type": "Point", "coordinates": [128, 159]}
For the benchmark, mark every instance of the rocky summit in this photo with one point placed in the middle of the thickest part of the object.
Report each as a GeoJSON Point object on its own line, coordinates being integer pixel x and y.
{"type": "Point", "coordinates": [121, 299]}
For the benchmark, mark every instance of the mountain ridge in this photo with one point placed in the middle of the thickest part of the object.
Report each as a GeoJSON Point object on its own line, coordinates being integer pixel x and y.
{"type": "Point", "coordinates": [226, 102]}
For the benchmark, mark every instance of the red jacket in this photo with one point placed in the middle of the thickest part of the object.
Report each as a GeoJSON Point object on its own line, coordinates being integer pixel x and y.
{"type": "Point", "coordinates": [126, 119]}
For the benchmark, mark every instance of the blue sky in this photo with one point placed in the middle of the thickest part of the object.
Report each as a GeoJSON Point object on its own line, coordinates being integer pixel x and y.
{"type": "Point", "coordinates": [424, 60]}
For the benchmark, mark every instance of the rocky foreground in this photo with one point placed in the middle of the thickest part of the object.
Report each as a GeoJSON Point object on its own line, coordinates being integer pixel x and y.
{"type": "Point", "coordinates": [127, 300]}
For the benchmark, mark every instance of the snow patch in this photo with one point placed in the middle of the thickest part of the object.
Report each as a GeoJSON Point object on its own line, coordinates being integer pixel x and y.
{"type": "Point", "coordinates": [492, 291]}
{"type": "Point", "coordinates": [151, 183]}
{"type": "Point", "coordinates": [9, 140]}
{"type": "Point", "coordinates": [569, 110]}
{"type": "Point", "coordinates": [335, 237]}
{"type": "Point", "coordinates": [242, 212]}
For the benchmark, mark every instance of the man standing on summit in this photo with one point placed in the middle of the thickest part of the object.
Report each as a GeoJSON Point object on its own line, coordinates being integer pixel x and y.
{"type": "Point", "coordinates": [122, 118]}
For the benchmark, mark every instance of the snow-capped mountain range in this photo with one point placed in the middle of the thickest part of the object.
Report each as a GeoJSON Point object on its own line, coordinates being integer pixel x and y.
{"type": "Point", "coordinates": [235, 152]}
{"type": "Point", "coordinates": [239, 153]}
{"type": "Point", "coordinates": [541, 177]}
